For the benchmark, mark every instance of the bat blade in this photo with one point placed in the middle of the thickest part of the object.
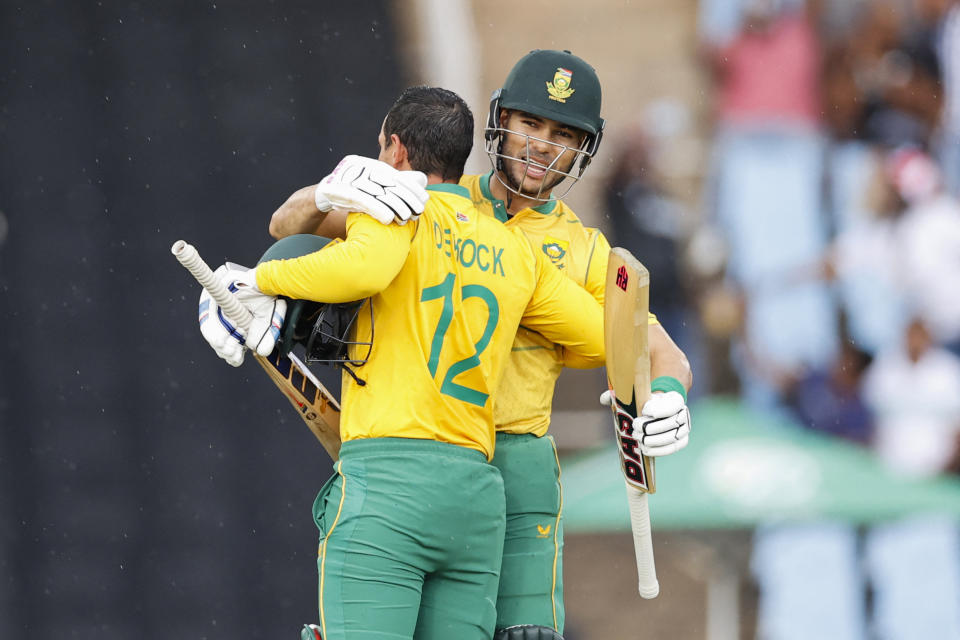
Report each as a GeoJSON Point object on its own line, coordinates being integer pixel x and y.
{"type": "Point", "coordinates": [626, 307]}
{"type": "Point", "coordinates": [313, 402]}
{"type": "Point", "coordinates": [319, 410]}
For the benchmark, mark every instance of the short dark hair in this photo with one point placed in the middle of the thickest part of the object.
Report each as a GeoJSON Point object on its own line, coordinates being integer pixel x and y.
{"type": "Point", "coordinates": [436, 126]}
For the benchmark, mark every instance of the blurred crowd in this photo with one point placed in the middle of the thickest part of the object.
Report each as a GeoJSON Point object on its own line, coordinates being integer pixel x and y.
{"type": "Point", "coordinates": [821, 277]}
{"type": "Point", "coordinates": [826, 256]}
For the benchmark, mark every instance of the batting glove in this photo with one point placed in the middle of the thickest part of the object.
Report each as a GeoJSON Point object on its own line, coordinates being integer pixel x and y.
{"type": "Point", "coordinates": [226, 338]}
{"type": "Point", "coordinates": [663, 426]}
{"type": "Point", "coordinates": [310, 632]}
{"type": "Point", "coordinates": [375, 188]}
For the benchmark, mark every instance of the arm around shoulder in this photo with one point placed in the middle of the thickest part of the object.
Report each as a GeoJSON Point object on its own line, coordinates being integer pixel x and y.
{"type": "Point", "coordinates": [566, 314]}
{"type": "Point", "coordinates": [363, 265]}
{"type": "Point", "coordinates": [298, 214]}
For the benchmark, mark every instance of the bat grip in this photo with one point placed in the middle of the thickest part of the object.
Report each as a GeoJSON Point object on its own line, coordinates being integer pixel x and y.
{"type": "Point", "coordinates": [648, 585]}
{"type": "Point", "coordinates": [188, 256]}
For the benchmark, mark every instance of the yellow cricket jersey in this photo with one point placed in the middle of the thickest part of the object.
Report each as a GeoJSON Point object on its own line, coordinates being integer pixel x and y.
{"type": "Point", "coordinates": [524, 399]}
{"type": "Point", "coordinates": [448, 294]}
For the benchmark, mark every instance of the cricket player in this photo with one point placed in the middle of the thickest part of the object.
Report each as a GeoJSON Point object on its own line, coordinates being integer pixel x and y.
{"type": "Point", "coordinates": [543, 128]}
{"type": "Point", "coordinates": [412, 522]}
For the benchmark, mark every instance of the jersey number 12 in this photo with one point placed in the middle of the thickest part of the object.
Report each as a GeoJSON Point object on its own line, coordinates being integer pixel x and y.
{"type": "Point", "coordinates": [444, 291]}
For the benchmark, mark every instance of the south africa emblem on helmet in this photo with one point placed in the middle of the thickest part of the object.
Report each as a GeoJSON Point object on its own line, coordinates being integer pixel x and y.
{"type": "Point", "coordinates": [559, 89]}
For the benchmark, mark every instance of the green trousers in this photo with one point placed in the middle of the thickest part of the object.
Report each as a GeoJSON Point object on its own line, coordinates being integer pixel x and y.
{"type": "Point", "coordinates": [531, 573]}
{"type": "Point", "coordinates": [411, 534]}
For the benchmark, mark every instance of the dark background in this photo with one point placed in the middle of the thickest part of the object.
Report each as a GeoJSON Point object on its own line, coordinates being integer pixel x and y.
{"type": "Point", "coordinates": [149, 490]}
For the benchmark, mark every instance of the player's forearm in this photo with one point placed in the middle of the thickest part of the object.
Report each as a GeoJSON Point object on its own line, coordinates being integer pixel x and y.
{"type": "Point", "coordinates": [666, 358]}
{"type": "Point", "coordinates": [578, 328]}
{"type": "Point", "coordinates": [360, 267]}
{"type": "Point", "coordinates": [589, 350]}
{"type": "Point", "coordinates": [572, 360]}
{"type": "Point", "coordinates": [299, 214]}
{"type": "Point", "coordinates": [566, 314]}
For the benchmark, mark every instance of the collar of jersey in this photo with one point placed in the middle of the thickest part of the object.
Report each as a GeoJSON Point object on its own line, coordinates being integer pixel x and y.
{"type": "Point", "coordinates": [449, 187]}
{"type": "Point", "coordinates": [501, 211]}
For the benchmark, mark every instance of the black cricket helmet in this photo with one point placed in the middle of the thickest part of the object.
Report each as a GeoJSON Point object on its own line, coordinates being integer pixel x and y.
{"type": "Point", "coordinates": [551, 84]}
{"type": "Point", "coordinates": [323, 330]}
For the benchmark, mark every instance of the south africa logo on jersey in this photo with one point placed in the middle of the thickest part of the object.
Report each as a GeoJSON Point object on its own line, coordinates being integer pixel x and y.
{"type": "Point", "coordinates": [559, 89]}
{"type": "Point", "coordinates": [462, 217]}
{"type": "Point", "coordinates": [556, 250]}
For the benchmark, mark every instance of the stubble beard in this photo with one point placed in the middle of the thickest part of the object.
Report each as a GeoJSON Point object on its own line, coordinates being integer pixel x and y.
{"type": "Point", "coordinates": [515, 171]}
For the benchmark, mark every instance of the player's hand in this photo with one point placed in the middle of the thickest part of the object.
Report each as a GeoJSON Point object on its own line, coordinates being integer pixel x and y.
{"type": "Point", "coordinates": [226, 338]}
{"type": "Point", "coordinates": [663, 426]}
{"type": "Point", "coordinates": [375, 188]}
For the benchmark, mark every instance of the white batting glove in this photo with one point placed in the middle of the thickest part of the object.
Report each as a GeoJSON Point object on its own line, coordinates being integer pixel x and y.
{"type": "Point", "coordinates": [663, 426]}
{"type": "Point", "coordinates": [224, 336]}
{"type": "Point", "coordinates": [375, 188]}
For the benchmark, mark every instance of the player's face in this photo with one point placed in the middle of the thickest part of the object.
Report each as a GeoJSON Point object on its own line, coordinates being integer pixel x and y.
{"type": "Point", "coordinates": [534, 144]}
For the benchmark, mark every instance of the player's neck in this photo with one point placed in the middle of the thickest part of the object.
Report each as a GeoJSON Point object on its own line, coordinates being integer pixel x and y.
{"type": "Point", "coordinates": [513, 202]}
{"type": "Point", "coordinates": [436, 178]}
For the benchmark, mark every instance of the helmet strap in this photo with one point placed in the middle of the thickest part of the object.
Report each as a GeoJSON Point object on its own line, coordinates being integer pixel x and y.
{"type": "Point", "coordinates": [360, 381]}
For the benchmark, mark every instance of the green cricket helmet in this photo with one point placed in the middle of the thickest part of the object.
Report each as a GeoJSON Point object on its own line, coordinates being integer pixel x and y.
{"type": "Point", "coordinates": [322, 329]}
{"type": "Point", "coordinates": [551, 84]}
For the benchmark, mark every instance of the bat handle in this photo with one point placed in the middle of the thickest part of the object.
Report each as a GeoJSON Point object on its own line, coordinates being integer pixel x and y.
{"type": "Point", "coordinates": [189, 257]}
{"type": "Point", "coordinates": [648, 585]}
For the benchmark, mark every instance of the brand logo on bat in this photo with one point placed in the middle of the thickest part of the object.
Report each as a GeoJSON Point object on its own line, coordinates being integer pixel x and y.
{"type": "Point", "coordinates": [622, 278]}
{"type": "Point", "coordinates": [631, 460]}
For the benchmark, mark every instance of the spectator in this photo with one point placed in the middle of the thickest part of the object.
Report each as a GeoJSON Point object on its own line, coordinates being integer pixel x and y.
{"type": "Point", "coordinates": [767, 74]}
{"type": "Point", "coordinates": [906, 255]}
{"type": "Point", "coordinates": [864, 260]}
{"type": "Point", "coordinates": [719, 21]}
{"type": "Point", "coordinates": [649, 222]}
{"type": "Point", "coordinates": [829, 401]}
{"type": "Point", "coordinates": [913, 388]}
{"type": "Point", "coordinates": [881, 79]}
{"type": "Point", "coordinates": [928, 231]}
{"type": "Point", "coordinates": [765, 196]}
{"type": "Point", "coordinates": [880, 89]}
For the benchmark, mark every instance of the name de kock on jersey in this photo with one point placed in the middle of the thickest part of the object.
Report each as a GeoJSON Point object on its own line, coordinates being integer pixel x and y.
{"type": "Point", "coordinates": [468, 253]}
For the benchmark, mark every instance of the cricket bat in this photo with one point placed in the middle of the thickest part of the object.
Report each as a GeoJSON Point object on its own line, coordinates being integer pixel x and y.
{"type": "Point", "coordinates": [625, 312]}
{"type": "Point", "coordinates": [315, 404]}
